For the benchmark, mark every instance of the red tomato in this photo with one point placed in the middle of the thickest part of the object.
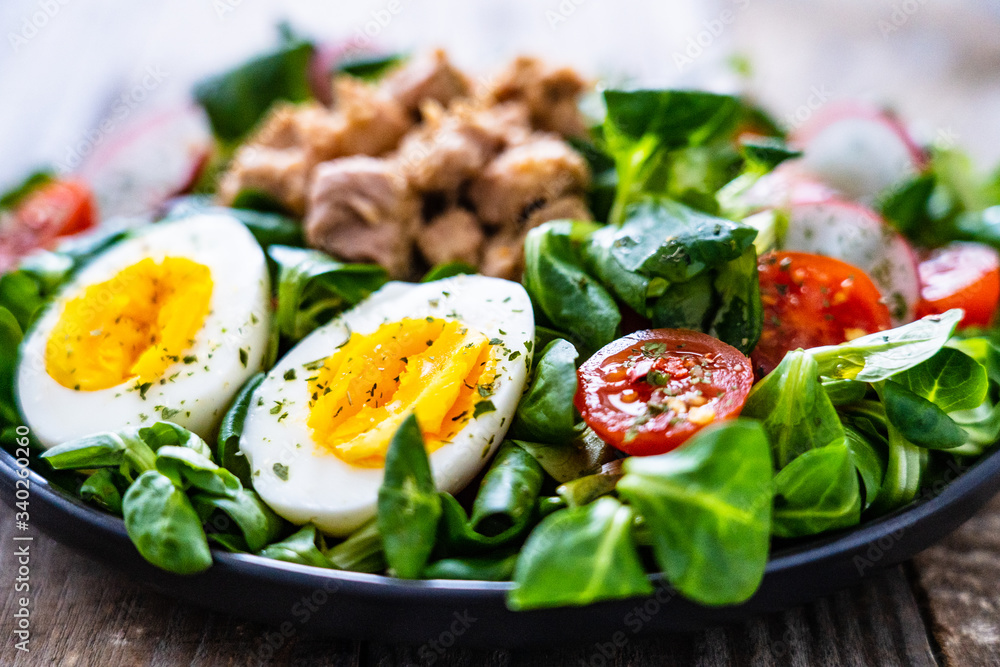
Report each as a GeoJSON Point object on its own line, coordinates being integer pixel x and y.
{"type": "Point", "coordinates": [811, 300]}
{"type": "Point", "coordinates": [961, 275]}
{"type": "Point", "coordinates": [55, 209]}
{"type": "Point", "coordinates": [650, 391]}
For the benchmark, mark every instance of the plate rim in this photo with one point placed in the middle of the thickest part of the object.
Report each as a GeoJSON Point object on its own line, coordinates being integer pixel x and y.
{"type": "Point", "coordinates": [824, 547]}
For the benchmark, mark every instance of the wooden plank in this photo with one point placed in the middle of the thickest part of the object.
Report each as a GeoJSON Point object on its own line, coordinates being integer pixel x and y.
{"type": "Point", "coordinates": [85, 613]}
{"type": "Point", "coordinates": [960, 582]}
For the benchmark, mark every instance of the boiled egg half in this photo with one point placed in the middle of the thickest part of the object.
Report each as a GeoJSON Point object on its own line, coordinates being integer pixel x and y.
{"type": "Point", "coordinates": [455, 352]}
{"type": "Point", "coordinates": [166, 325]}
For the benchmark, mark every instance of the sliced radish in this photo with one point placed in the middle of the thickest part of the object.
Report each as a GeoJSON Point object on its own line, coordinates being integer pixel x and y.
{"type": "Point", "coordinates": [148, 160]}
{"type": "Point", "coordinates": [857, 235]}
{"type": "Point", "coordinates": [861, 151]}
{"type": "Point", "coordinates": [783, 187]}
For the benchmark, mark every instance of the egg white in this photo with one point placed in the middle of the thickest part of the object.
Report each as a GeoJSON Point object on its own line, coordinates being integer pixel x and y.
{"type": "Point", "coordinates": [335, 495]}
{"type": "Point", "coordinates": [238, 318]}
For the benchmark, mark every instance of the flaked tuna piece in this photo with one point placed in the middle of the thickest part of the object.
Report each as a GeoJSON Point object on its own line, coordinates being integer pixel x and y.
{"type": "Point", "coordinates": [365, 121]}
{"type": "Point", "coordinates": [551, 94]}
{"type": "Point", "coordinates": [450, 148]}
{"type": "Point", "coordinates": [503, 256]}
{"type": "Point", "coordinates": [361, 209]}
{"type": "Point", "coordinates": [525, 176]}
{"type": "Point", "coordinates": [280, 173]}
{"type": "Point", "coordinates": [430, 77]}
{"type": "Point", "coordinates": [453, 236]}
{"type": "Point", "coordinates": [279, 129]}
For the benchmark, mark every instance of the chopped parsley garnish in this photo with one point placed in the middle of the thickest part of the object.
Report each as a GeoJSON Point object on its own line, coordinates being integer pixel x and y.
{"type": "Point", "coordinates": [314, 365]}
{"type": "Point", "coordinates": [280, 471]}
{"type": "Point", "coordinates": [483, 408]}
{"type": "Point", "coordinates": [289, 374]}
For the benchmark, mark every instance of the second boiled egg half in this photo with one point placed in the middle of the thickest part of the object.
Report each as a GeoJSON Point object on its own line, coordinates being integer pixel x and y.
{"type": "Point", "coordinates": [455, 352]}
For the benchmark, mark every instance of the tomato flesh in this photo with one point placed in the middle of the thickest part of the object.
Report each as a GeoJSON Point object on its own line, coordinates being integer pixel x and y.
{"type": "Point", "coordinates": [55, 209]}
{"type": "Point", "coordinates": [650, 391]}
{"type": "Point", "coordinates": [961, 275]}
{"type": "Point", "coordinates": [810, 300]}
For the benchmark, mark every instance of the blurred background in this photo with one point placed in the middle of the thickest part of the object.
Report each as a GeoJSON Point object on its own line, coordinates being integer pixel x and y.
{"type": "Point", "coordinates": [67, 64]}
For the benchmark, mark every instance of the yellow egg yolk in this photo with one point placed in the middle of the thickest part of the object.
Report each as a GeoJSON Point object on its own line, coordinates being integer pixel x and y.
{"type": "Point", "coordinates": [436, 368]}
{"type": "Point", "coordinates": [133, 326]}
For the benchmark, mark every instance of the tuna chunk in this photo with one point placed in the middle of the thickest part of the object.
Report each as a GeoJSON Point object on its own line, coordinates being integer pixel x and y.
{"type": "Point", "coordinates": [362, 210]}
{"type": "Point", "coordinates": [279, 129]}
{"type": "Point", "coordinates": [503, 256]}
{"type": "Point", "coordinates": [528, 175]}
{"type": "Point", "coordinates": [453, 236]}
{"type": "Point", "coordinates": [279, 173]}
{"type": "Point", "coordinates": [452, 148]}
{"type": "Point", "coordinates": [551, 95]}
{"type": "Point", "coordinates": [365, 121]}
{"type": "Point", "coordinates": [431, 77]}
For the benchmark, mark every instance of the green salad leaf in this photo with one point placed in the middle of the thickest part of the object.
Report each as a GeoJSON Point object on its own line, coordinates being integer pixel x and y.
{"type": "Point", "coordinates": [236, 100]}
{"type": "Point", "coordinates": [794, 409]}
{"type": "Point", "coordinates": [562, 290]}
{"type": "Point", "coordinates": [506, 499]}
{"type": "Point", "coordinates": [313, 287]}
{"type": "Point", "coordinates": [869, 457]}
{"type": "Point", "coordinates": [104, 487]}
{"type": "Point", "coordinates": [168, 434]}
{"type": "Point", "coordinates": [163, 525]}
{"type": "Point", "coordinates": [299, 547]}
{"type": "Point", "coordinates": [643, 129]}
{"type": "Point", "coordinates": [242, 513]}
{"type": "Point", "coordinates": [951, 380]}
{"type": "Point", "coordinates": [123, 449]}
{"type": "Point", "coordinates": [231, 428]}
{"type": "Point", "coordinates": [408, 503]}
{"type": "Point", "coordinates": [584, 490]}
{"type": "Point", "coordinates": [567, 460]}
{"type": "Point", "coordinates": [682, 268]}
{"type": "Point", "coordinates": [881, 355]}
{"type": "Point", "coordinates": [918, 420]}
{"type": "Point", "coordinates": [10, 339]}
{"type": "Point", "coordinates": [361, 551]}
{"type": "Point", "coordinates": [188, 469]}
{"type": "Point", "coordinates": [369, 67]}
{"type": "Point", "coordinates": [448, 270]}
{"type": "Point", "coordinates": [664, 239]}
{"type": "Point", "coordinates": [580, 555]}
{"type": "Point", "coordinates": [546, 413]}
{"type": "Point", "coordinates": [817, 492]}
{"type": "Point", "coordinates": [708, 508]}
{"type": "Point", "coordinates": [498, 567]}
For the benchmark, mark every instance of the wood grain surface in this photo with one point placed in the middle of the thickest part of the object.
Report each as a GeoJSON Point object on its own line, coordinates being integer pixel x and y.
{"type": "Point", "coordinates": [940, 609]}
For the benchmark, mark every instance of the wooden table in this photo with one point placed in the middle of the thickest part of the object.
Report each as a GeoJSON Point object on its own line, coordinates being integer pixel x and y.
{"type": "Point", "coordinates": [942, 608]}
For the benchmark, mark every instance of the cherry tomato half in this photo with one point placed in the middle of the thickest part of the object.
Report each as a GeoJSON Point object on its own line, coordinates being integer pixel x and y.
{"type": "Point", "coordinates": [55, 209]}
{"type": "Point", "coordinates": [811, 300]}
{"type": "Point", "coordinates": [961, 275]}
{"type": "Point", "coordinates": [650, 391]}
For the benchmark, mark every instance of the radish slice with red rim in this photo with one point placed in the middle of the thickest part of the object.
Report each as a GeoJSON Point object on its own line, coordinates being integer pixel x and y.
{"type": "Point", "coordinates": [148, 160]}
{"type": "Point", "coordinates": [859, 150]}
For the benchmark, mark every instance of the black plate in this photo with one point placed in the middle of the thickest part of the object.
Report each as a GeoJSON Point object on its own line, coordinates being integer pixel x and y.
{"type": "Point", "coordinates": [372, 607]}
